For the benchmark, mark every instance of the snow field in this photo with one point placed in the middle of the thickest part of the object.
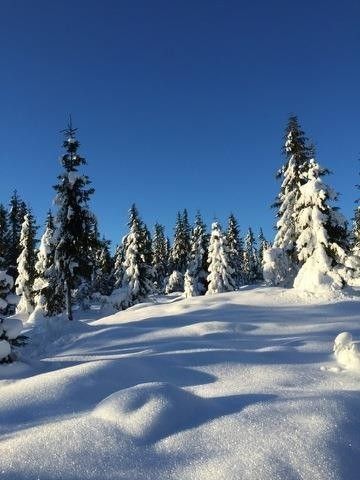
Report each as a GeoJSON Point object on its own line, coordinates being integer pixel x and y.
{"type": "Point", "coordinates": [229, 386]}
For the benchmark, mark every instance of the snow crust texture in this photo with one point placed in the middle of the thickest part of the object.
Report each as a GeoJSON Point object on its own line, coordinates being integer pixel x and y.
{"type": "Point", "coordinates": [239, 385]}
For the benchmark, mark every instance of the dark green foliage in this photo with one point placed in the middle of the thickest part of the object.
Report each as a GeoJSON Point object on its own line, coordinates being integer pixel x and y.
{"type": "Point", "coordinates": [356, 230]}
{"type": "Point", "coordinates": [235, 250]}
{"type": "Point", "coordinates": [103, 281]}
{"type": "Point", "coordinates": [17, 211]}
{"type": "Point", "coordinates": [3, 236]}
{"type": "Point", "coordinates": [251, 266]}
{"type": "Point", "coordinates": [196, 282]}
{"type": "Point", "coordinates": [180, 251]}
{"type": "Point", "coordinates": [118, 271]}
{"type": "Point", "coordinates": [159, 257]}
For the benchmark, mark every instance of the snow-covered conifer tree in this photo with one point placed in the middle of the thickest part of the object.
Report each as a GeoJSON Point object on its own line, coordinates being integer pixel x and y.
{"type": "Point", "coordinates": [119, 270]}
{"type": "Point", "coordinates": [356, 232]}
{"type": "Point", "coordinates": [49, 297]}
{"type": "Point", "coordinates": [263, 245]}
{"type": "Point", "coordinates": [236, 250]}
{"type": "Point", "coordinates": [220, 276]}
{"type": "Point", "coordinates": [3, 236]}
{"type": "Point", "coordinates": [26, 265]}
{"type": "Point", "coordinates": [146, 251]}
{"type": "Point", "coordinates": [179, 255]}
{"type": "Point", "coordinates": [297, 153]}
{"type": "Point", "coordinates": [195, 282]}
{"type": "Point", "coordinates": [103, 278]}
{"type": "Point", "coordinates": [6, 284]}
{"type": "Point", "coordinates": [159, 257]}
{"type": "Point", "coordinates": [276, 266]}
{"type": "Point", "coordinates": [10, 329]}
{"type": "Point", "coordinates": [251, 266]}
{"type": "Point", "coordinates": [138, 273]}
{"type": "Point", "coordinates": [16, 216]}
{"type": "Point", "coordinates": [321, 245]}
{"type": "Point", "coordinates": [73, 221]}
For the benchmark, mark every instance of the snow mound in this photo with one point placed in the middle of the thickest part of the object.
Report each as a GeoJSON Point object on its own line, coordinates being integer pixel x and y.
{"type": "Point", "coordinates": [48, 326]}
{"type": "Point", "coordinates": [12, 327]}
{"type": "Point", "coordinates": [347, 351]}
{"type": "Point", "coordinates": [150, 411]}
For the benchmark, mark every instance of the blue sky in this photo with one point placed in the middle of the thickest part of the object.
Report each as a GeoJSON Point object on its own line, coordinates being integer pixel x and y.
{"type": "Point", "coordinates": [178, 103]}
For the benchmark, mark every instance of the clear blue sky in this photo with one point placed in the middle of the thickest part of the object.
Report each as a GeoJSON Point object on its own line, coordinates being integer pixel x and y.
{"type": "Point", "coordinates": [179, 103]}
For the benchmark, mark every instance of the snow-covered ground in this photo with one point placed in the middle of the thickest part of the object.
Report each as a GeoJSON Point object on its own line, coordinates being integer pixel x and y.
{"type": "Point", "coordinates": [234, 386]}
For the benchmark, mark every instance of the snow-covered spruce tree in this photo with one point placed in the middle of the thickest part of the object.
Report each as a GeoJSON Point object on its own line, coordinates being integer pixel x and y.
{"type": "Point", "coordinates": [17, 211]}
{"type": "Point", "coordinates": [73, 221]}
{"type": "Point", "coordinates": [103, 281]}
{"type": "Point", "coordinates": [10, 329]}
{"type": "Point", "coordinates": [322, 243]}
{"type": "Point", "coordinates": [251, 263]}
{"type": "Point", "coordinates": [220, 276]}
{"type": "Point", "coordinates": [119, 270]}
{"type": "Point", "coordinates": [88, 254]}
{"type": "Point", "coordinates": [159, 257]}
{"type": "Point", "coordinates": [263, 245]}
{"type": "Point", "coordinates": [6, 284]}
{"type": "Point", "coordinates": [179, 255]}
{"type": "Point", "coordinates": [26, 265]}
{"type": "Point", "coordinates": [49, 297]}
{"type": "Point", "coordinates": [195, 282]}
{"type": "Point", "coordinates": [146, 241]}
{"type": "Point", "coordinates": [355, 240]}
{"type": "Point", "coordinates": [236, 250]}
{"type": "Point", "coordinates": [3, 236]}
{"type": "Point", "coordinates": [297, 155]}
{"type": "Point", "coordinates": [355, 234]}
{"type": "Point", "coordinates": [137, 280]}
{"type": "Point", "coordinates": [275, 265]}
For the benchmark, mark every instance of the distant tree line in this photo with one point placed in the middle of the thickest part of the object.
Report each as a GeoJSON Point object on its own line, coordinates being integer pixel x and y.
{"type": "Point", "coordinates": [72, 263]}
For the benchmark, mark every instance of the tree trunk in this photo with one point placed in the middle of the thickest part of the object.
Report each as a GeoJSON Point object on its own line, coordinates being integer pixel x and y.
{"type": "Point", "coordinates": [68, 301]}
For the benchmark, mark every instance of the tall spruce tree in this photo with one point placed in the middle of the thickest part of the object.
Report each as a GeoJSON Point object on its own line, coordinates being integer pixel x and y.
{"type": "Point", "coordinates": [220, 276]}
{"type": "Point", "coordinates": [74, 221]}
{"type": "Point", "coordinates": [3, 236]}
{"type": "Point", "coordinates": [355, 240]}
{"type": "Point", "coordinates": [195, 282]}
{"type": "Point", "coordinates": [263, 246]}
{"type": "Point", "coordinates": [26, 265]}
{"type": "Point", "coordinates": [159, 257]}
{"type": "Point", "coordinates": [251, 266]}
{"type": "Point", "coordinates": [138, 277]}
{"type": "Point", "coordinates": [236, 250]}
{"type": "Point", "coordinates": [297, 153]}
{"type": "Point", "coordinates": [181, 246]}
{"type": "Point", "coordinates": [180, 252]}
{"type": "Point", "coordinates": [17, 211]}
{"type": "Point", "coordinates": [356, 231]}
{"type": "Point", "coordinates": [119, 270]}
{"type": "Point", "coordinates": [103, 281]}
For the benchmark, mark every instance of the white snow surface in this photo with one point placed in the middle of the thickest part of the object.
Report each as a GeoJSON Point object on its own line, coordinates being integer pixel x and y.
{"type": "Point", "coordinates": [236, 386]}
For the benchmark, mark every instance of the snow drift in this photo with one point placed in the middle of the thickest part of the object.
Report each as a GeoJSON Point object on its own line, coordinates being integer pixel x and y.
{"type": "Point", "coordinates": [225, 386]}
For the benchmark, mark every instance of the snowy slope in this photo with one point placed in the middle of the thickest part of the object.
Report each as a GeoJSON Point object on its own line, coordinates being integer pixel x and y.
{"type": "Point", "coordinates": [234, 386]}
